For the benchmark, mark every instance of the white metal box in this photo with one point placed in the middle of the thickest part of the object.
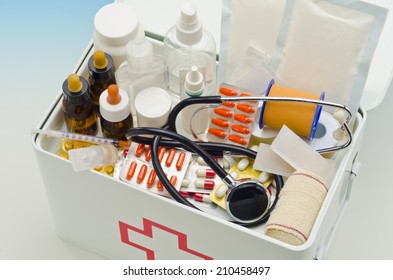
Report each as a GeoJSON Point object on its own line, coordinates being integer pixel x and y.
{"type": "Point", "coordinates": [119, 221]}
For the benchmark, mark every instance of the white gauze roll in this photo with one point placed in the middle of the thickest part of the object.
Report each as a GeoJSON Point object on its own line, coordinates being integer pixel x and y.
{"type": "Point", "coordinates": [298, 206]}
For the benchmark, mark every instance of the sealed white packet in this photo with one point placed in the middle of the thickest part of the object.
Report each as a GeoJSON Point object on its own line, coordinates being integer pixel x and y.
{"type": "Point", "coordinates": [251, 23]}
{"type": "Point", "coordinates": [328, 45]}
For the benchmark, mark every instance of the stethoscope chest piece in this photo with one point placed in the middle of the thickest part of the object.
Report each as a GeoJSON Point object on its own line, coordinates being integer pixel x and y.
{"type": "Point", "coordinates": [247, 201]}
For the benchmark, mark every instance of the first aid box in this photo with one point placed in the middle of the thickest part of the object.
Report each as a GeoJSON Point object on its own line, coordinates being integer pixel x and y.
{"type": "Point", "coordinates": [120, 221]}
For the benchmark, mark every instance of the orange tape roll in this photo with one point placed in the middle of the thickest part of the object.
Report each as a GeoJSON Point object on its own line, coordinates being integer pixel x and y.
{"type": "Point", "coordinates": [302, 118]}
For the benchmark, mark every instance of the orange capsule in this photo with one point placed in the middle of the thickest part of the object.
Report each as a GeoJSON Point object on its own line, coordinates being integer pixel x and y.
{"type": "Point", "coordinates": [161, 153]}
{"type": "Point", "coordinates": [160, 186]}
{"type": "Point", "coordinates": [228, 91]}
{"type": "Point", "coordinates": [223, 112]}
{"type": "Point", "coordinates": [173, 180]}
{"type": "Point", "coordinates": [151, 178]}
{"type": "Point", "coordinates": [220, 122]}
{"type": "Point", "coordinates": [148, 153]}
{"type": "Point", "coordinates": [217, 132]}
{"type": "Point", "coordinates": [141, 174]}
{"type": "Point", "coordinates": [241, 129]}
{"type": "Point", "coordinates": [245, 108]}
{"type": "Point", "coordinates": [180, 161]}
{"type": "Point", "coordinates": [131, 170]}
{"type": "Point", "coordinates": [243, 118]}
{"type": "Point", "coordinates": [229, 104]}
{"type": "Point", "coordinates": [170, 157]}
{"type": "Point", "coordinates": [247, 95]}
{"type": "Point", "coordinates": [237, 139]}
{"type": "Point", "coordinates": [139, 150]}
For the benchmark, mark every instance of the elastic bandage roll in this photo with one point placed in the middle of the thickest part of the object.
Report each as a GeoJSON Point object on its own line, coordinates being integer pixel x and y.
{"type": "Point", "coordinates": [297, 208]}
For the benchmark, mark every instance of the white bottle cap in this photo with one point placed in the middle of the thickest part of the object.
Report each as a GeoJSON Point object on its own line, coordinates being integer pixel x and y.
{"type": "Point", "coordinates": [116, 24]}
{"type": "Point", "coordinates": [194, 84]}
{"type": "Point", "coordinates": [152, 106]}
{"type": "Point", "coordinates": [115, 112]}
{"type": "Point", "coordinates": [189, 28]}
{"type": "Point", "coordinates": [91, 157]}
{"type": "Point", "coordinates": [140, 55]}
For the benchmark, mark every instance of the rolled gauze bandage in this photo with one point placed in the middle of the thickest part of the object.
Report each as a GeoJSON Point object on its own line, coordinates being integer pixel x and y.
{"type": "Point", "coordinates": [297, 208]}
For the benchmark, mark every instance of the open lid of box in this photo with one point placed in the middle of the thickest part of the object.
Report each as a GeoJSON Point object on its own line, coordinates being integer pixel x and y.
{"type": "Point", "coordinates": [158, 16]}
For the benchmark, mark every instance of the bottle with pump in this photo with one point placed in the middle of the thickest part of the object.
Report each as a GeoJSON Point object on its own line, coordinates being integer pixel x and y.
{"type": "Point", "coordinates": [115, 112]}
{"type": "Point", "coordinates": [101, 75]}
{"type": "Point", "coordinates": [186, 44]}
{"type": "Point", "coordinates": [142, 69]}
{"type": "Point", "coordinates": [194, 87]}
{"type": "Point", "coordinates": [78, 106]}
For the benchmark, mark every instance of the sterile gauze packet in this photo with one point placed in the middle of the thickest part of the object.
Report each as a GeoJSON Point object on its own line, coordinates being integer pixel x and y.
{"type": "Point", "coordinates": [251, 23]}
{"type": "Point", "coordinates": [328, 45]}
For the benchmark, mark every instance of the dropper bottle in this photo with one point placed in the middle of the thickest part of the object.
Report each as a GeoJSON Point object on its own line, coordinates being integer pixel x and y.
{"type": "Point", "coordinates": [194, 87]}
{"type": "Point", "coordinates": [115, 112]}
{"type": "Point", "coordinates": [78, 106]}
{"type": "Point", "coordinates": [101, 75]}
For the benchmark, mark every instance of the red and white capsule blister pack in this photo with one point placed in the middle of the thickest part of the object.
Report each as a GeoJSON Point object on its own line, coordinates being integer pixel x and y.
{"type": "Point", "coordinates": [231, 122]}
{"type": "Point", "coordinates": [200, 178]}
{"type": "Point", "coordinates": [138, 169]}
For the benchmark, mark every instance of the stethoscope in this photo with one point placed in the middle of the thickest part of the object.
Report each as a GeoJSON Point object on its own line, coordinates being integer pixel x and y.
{"type": "Point", "coordinates": [248, 201]}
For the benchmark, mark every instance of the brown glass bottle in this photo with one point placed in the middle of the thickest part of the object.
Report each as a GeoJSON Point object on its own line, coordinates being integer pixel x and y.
{"type": "Point", "coordinates": [78, 106]}
{"type": "Point", "coordinates": [101, 75]}
{"type": "Point", "coordinates": [116, 116]}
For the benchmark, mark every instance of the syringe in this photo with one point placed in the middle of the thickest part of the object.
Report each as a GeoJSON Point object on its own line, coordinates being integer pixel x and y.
{"type": "Point", "coordinates": [121, 144]}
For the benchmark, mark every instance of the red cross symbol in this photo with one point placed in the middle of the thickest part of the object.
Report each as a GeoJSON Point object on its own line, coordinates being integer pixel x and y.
{"type": "Point", "coordinates": [147, 231]}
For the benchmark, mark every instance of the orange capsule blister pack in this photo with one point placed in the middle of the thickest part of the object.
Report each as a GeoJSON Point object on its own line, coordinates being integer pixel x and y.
{"type": "Point", "coordinates": [138, 169]}
{"type": "Point", "coordinates": [231, 122]}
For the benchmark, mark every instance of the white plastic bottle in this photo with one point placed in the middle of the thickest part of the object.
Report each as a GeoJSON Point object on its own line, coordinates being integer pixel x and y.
{"type": "Point", "coordinates": [115, 25]}
{"type": "Point", "coordinates": [186, 44]}
{"type": "Point", "coordinates": [143, 69]}
{"type": "Point", "coordinates": [194, 87]}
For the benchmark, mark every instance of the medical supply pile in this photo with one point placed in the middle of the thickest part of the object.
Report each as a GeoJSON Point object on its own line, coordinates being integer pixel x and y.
{"type": "Point", "coordinates": [257, 144]}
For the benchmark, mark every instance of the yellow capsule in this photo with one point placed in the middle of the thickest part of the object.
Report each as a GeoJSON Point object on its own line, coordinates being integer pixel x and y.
{"type": "Point", "coordinates": [98, 168]}
{"type": "Point", "coordinates": [68, 145]}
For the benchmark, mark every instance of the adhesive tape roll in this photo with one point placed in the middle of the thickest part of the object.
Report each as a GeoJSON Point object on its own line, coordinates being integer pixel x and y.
{"type": "Point", "coordinates": [301, 117]}
{"type": "Point", "coordinates": [324, 136]}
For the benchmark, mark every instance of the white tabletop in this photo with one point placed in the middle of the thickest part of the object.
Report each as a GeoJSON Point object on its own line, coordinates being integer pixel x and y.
{"type": "Point", "coordinates": [44, 42]}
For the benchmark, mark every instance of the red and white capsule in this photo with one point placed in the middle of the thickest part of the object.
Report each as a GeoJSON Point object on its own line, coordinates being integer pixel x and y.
{"type": "Point", "coordinates": [205, 173]}
{"type": "Point", "coordinates": [204, 184]}
{"type": "Point", "coordinates": [201, 197]}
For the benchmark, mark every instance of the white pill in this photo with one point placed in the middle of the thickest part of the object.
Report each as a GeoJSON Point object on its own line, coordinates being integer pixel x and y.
{"type": "Point", "coordinates": [201, 161]}
{"type": "Point", "coordinates": [254, 148]}
{"type": "Point", "coordinates": [225, 164]}
{"type": "Point", "coordinates": [340, 116]}
{"type": "Point", "coordinates": [230, 160]}
{"type": "Point", "coordinates": [221, 191]}
{"type": "Point", "coordinates": [185, 183]}
{"type": "Point", "coordinates": [243, 164]}
{"type": "Point", "coordinates": [234, 174]}
{"type": "Point", "coordinates": [263, 177]}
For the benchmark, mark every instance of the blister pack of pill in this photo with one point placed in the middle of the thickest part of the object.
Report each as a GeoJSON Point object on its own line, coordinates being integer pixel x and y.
{"type": "Point", "coordinates": [231, 122]}
{"type": "Point", "coordinates": [199, 178]}
{"type": "Point", "coordinates": [68, 144]}
{"type": "Point", "coordinates": [138, 170]}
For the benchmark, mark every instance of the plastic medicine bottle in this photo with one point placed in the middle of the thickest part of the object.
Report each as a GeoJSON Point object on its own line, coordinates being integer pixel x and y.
{"type": "Point", "coordinates": [115, 112]}
{"type": "Point", "coordinates": [186, 44]}
{"type": "Point", "coordinates": [101, 75]}
{"type": "Point", "coordinates": [194, 87]}
{"type": "Point", "coordinates": [114, 26]}
{"type": "Point", "coordinates": [78, 106]}
{"type": "Point", "coordinates": [143, 69]}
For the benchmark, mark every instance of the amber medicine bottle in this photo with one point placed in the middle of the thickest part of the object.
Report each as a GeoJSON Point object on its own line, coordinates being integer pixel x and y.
{"type": "Point", "coordinates": [101, 75]}
{"type": "Point", "coordinates": [115, 112]}
{"type": "Point", "coordinates": [78, 106]}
